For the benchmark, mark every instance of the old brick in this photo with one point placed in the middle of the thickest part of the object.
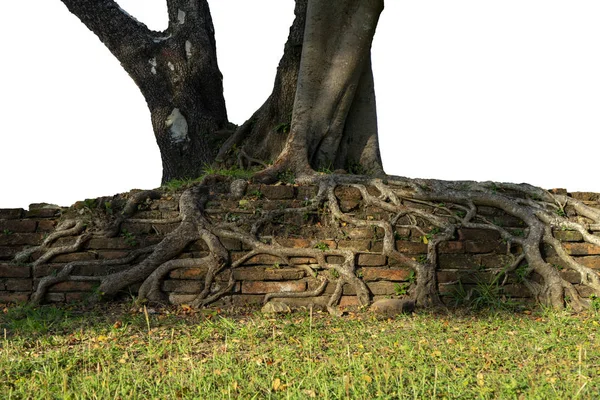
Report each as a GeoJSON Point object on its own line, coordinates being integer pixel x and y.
{"type": "Point", "coordinates": [111, 254]}
{"type": "Point", "coordinates": [267, 274]}
{"type": "Point", "coordinates": [251, 287]}
{"type": "Point", "coordinates": [296, 243]}
{"type": "Point", "coordinates": [8, 253]}
{"type": "Point", "coordinates": [357, 245]}
{"type": "Point", "coordinates": [581, 249]}
{"type": "Point", "coordinates": [495, 260]}
{"type": "Point", "coordinates": [182, 286]}
{"type": "Point", "coordinates": [347, 193]}
{"type": "Point", "coordinates": [359, 233]}
{"type": "Point", "coordinates": [11, 213]}
{"type": "Point", "coordinates": [14, 297]}
{"type": "Point", "coordinates": [452, 247]}
{"type": "Point", "coordinates": [110, 243]}
{"type": "Point", "coordinates": [70, 257]}
{"type": "Point", "coordinates": [16, 285]}
{"type": "Point", "coordinates": [43, 213]}
{"type": "Point", "coordinates": [588, 261]}
{"type": "Point", "coordinates": [17, 239]}
{"type": "Point", "coordinates": [571, 276]}
{"type": "Point", "coordinates": [584, 291]}
{"type": "Point", "coordinates": [387, 274]}
{"type": "Point", "coordinates": [73, 297]}
{"type": "Point", "coordinates": [306, 192]}
{"type": "Point", "coordinates": [302, 260]}
{"type": "Point", "coordinates": [568, 236]}
{"type": "Point", "coordinates": [472, 246]}
{"type": "Point", "coordinates": [368, 260]}
{"type": "Point", "coordinates": [383, 288]}
{"type": "Point", "coordinates": [478, 234]}
{"type": "Point", "coordinates": [281, 192]}
{"type": "Point", "coordinates": [335, 259]}
{"type": "Point", "coordinates": [189, 273]}
{"type": "Point", "coordinates": [73, 286]}
{"type": "Point", "coordinates": [404, 246]}
{"type": "Point", "coordinates": [136, 228]}
{"type": "Point", "coordinates": [454, 261]}
{"type": "Point", "coordinates": [46, 225]}
{"type": "Point", "coordinates": [168, 205]}
{"type": "Point", "coordinates": [14, 271]}
{"type": "Point", "coordinates": [18, 226]}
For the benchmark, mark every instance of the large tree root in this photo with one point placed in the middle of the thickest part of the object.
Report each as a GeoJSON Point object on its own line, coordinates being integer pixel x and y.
{"type": "Point", "coordinates": [435, 209]}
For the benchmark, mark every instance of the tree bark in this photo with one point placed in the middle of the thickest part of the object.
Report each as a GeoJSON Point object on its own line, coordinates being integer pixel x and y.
{"type": "Point", "coordinates": [322, 112]}
{"type": "Point", "coordinates": [177, 73]}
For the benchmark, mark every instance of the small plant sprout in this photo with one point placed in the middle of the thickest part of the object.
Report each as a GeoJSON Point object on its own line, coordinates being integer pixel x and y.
{"type": "Point", "coordinates": [129, 238]}
{"type": "Point", "coordinates": [322, 246]}
{"type": "Point", "coordinates": [7, 232]}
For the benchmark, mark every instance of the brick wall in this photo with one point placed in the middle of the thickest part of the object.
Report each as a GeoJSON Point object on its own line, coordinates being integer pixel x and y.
{"type": "Point", "coordinates": [465, 262]}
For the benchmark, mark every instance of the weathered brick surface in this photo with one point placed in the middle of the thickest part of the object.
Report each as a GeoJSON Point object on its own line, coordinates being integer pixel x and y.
{"type": "Point", "coordinates": [267, 274]}
{"type": "Point", "coordinates": [18, 226]}
{"type": "Point", "coordinates": [253, 287]}
{"type": "Point", "coordinates": [589, 261]}
{"type": "Point", "coordinates": [568, 236]}
{"type": "Point", "coordinates": [357, 245]}
{"type": "Point", "coordinates": [14, 271]}
{"type": "Point", "coordinates": [182, 286]}
{"type": "Point", "coordinates": [69, 257]}
{"type": "Point", "coordinates": [14, 297]}
{"type": "Point", "coordinates": [347, 193]}
{"type": "Point", "coordinates": [478, 234]}
{"type": "Point", "coordinates": [452, 247]}
{"type": "Point", "coordinates": [43, 213]}
{"type": "Point", "coordinates": [404, 246]}
{"type": "Point", "coordinates": [11, 213]}
{"type": "Point", "coordinates": [472, 246]}
{"type": "Point", "coordinates": [18, 239]}
{"type": "Point", "coordinates": [46, 225]}
{"type": "Point", "coordinates": [370, 260]}
{"type": "Point", "coordinates": [109, 244]}
{"type": "Point", "coordinates": [277, 192]}
{"type": "Point", "coordinates": [7, 253]}
{"type": "Point", "coordinates": [15, 284]}
{"type": "Point", "coordinates": [73, 286]}
{"type": "Point", "coordinates": [387, 274]}
{"type": "Point", "coordinates": [582, 249]}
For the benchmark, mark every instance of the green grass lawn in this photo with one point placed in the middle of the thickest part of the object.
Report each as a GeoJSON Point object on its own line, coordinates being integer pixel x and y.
{"type": "Point", "coordinates": [120, 352]}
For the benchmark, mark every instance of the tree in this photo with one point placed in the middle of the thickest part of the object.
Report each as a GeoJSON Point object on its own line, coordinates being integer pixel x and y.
{"type": "Point", "coordinates": [320, 115]}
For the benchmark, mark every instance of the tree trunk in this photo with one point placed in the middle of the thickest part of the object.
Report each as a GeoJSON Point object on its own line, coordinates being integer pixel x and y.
{"type": "Point", "coordinates": [177, 73]}
{"type": "Point", "coordinates": [321, 113]}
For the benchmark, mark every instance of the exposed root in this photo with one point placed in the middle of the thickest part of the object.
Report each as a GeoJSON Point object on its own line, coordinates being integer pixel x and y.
{"type": "Point", "coordinates": [437, 210]}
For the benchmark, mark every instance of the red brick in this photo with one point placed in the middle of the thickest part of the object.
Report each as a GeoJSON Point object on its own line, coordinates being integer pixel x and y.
{"type": "Point", "coordinates": [11, 213]}
{"type": "Point", "coordinates": [478, 234]}
{"type": "Point", "coordinates": [347, 193]}
{"type": "Point", "coordinates": [357, 245]}
{"type": "Point", "coordinates": [189, 273]}
{"type": "Point", "coordinates": [581, 249]}
{"type": "Point", "coordinates": [46, 225]}
{"type": "Point", "coordinates": [73, 286]}
{"type": "Point", "coordinates": [568, 236]}
{"type": "Point", "coordinates": [18, 226]}
{"type": "Point", "coordinates": [334, 259]}
{"type": "Point", "coordinates": [404, 246]}
{"type": "Point", "coordinates": [382, 288]}
{"type": "Point", "coordinates": [16, 285]}
{"type": "Point", "coordinates": [251, 287]}
{"type": "Point", "coordinates": [571, 276]}
{"type": "Point", "coordinates": [14, 271]}
{"type": "Point", "coordinates": [267, 274]}
{"type": "Point", "coordinates": [302, 260]}
{"type": "Point", "coordinates": [484, 247]}
{"type": "Point", "coordinates": [452, 247]}
{"type": "Point", "coordinates": [366, 260]}
{"type": "Point", "coordinates": [259, 259]}
{"type": "Point", "coordinates": [588, 261]}
{"type": "Point", "coordinates": [43, 213]}
{"type": "Point", "coordinates": [295, 243]}
{"type": "Point", "coordinates": [17, 239]}
{"type": "Point", "coordinates": [14, 297]}
{"type": "Point", "coordinates": [66, 258]}
{"type": "Point", "coordinates": [109, 244]}
{"type": "Point", "coordinates": [387, 274]}
{"type": "Point", "coordinates": [280, 192]}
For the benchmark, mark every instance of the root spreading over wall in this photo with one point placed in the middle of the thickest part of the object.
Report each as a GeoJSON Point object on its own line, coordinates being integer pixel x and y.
{"type": "Point", "coordinates": [436, 210]}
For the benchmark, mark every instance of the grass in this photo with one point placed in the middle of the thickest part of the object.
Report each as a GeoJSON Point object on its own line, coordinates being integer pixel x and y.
{"type": "Point", "coordinates": [120, 351]}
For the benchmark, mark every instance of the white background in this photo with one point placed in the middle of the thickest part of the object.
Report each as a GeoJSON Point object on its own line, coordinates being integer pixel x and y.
{"type": "Point", "coordinates": [482, 90]}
